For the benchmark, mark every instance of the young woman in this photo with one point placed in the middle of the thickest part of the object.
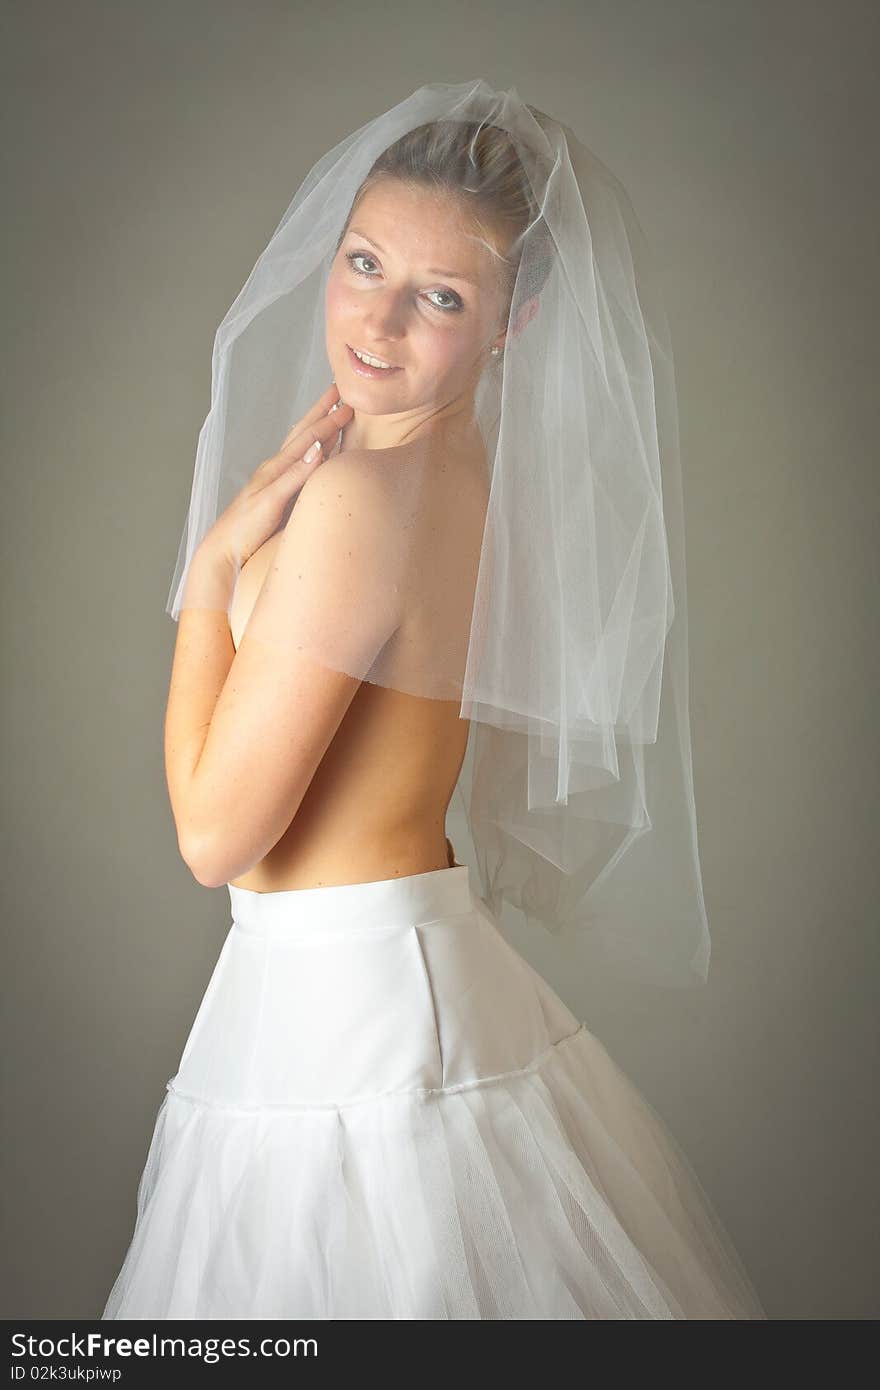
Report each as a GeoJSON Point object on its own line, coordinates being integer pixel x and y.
{"type": "Point", "coordinates": [382, 1109]}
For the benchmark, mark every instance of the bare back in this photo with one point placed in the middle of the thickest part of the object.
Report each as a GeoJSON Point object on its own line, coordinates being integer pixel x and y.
{"type": "Point", "coordinates": [376, 806]}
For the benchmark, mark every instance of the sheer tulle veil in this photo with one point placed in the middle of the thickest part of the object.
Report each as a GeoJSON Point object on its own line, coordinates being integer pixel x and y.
{"type": "Point", "coordinates": [562, 632]}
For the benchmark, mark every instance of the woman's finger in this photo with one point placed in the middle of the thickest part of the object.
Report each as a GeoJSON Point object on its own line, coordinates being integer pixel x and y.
{"type": "Point", "coordinates": [322, 431]}
{"type": "Point", "coordinates": [321, 407]}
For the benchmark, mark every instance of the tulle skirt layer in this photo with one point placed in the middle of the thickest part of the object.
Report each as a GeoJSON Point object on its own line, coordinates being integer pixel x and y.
{"type": "Point", "coordinates": [382, 1111]}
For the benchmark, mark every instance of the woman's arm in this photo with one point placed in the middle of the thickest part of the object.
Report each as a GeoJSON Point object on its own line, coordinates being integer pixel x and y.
{"type": "Point", "coordinates": [203, 655]}
{"type": "Point", "coordinates": [246, 730]}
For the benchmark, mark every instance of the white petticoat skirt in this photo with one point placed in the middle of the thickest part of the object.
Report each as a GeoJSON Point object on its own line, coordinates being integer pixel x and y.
{"type": "Point", "coordinates": [383, 1111]}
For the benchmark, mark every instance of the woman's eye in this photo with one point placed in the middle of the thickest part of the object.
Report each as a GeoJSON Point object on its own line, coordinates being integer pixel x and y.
{"type": "Point", "coordinates": [448, 294]}
{"type": "Point", "coordinates": [352, 256]}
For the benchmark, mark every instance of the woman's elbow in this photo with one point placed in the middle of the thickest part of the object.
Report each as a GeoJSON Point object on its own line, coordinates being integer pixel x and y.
{"type": "Point", "coordinates": [230, 846]}
{"type": "Point", "coordinates": [204, 863]}
{"type": "Point", "coordinates": [216, 859]}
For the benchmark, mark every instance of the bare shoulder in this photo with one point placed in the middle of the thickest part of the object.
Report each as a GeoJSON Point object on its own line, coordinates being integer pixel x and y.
{"type": "Point", "coordinates": [365, 491]}
{"type": "Point", "coordinates": [339, 477]}
{"type": "Point", "coordinates": [353, 491]}
{"type": "Point", "coordinates": [343, 499]}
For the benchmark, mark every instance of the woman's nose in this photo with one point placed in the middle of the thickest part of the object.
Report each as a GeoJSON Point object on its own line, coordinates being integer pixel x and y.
{"type": "Point", "coordinates": [387, 316]}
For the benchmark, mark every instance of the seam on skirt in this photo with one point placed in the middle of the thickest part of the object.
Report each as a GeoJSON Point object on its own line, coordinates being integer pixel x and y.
{"type": "Point", "coordinates": [429, 986]}
{"type": "Point", "coordinates": [419, 1092]}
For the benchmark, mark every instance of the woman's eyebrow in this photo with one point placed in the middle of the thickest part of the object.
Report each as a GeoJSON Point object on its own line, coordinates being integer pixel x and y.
{"type": "Point", "coordinates": [432, 270]}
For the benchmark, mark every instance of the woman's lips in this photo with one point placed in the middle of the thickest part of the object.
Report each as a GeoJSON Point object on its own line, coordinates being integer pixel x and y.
{"type": "Point", "coordinates": [362, 369]}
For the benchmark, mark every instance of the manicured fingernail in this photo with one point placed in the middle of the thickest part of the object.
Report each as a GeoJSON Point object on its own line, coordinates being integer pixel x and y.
{"type": "Point", "coordinates": [313, 452]}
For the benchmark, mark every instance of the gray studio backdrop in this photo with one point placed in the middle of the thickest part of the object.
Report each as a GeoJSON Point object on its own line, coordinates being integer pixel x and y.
{"type": "Point", "coordinates": [149, 152]}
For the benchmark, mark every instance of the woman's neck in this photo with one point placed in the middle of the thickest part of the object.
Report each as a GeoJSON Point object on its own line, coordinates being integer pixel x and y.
{"type": "Point", "coordinates": [383, 433]}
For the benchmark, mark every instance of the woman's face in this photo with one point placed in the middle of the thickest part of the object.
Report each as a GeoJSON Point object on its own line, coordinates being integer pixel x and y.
{"type": "Point", "coordinates": [413, 285]}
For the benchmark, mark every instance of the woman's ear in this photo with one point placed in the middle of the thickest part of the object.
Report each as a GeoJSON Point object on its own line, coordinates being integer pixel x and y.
{"type": "Point", "coordinates": [524, 315]}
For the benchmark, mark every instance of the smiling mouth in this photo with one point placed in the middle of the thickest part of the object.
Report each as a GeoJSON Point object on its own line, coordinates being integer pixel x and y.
{"type": "Point", "coordinates": [370, 360]}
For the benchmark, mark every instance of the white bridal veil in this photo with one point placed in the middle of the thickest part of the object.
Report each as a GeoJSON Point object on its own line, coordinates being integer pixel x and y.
{"type": "Point", "coordinates": [543, 593]}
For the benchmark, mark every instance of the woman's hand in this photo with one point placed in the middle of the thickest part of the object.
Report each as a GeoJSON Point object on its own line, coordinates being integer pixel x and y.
{"type": "Point", "coordinates": [255, 513]}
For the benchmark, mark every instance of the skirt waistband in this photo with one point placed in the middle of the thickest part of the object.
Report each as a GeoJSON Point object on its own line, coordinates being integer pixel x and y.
{"type": "Point", "coordinates": [410, 900]}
